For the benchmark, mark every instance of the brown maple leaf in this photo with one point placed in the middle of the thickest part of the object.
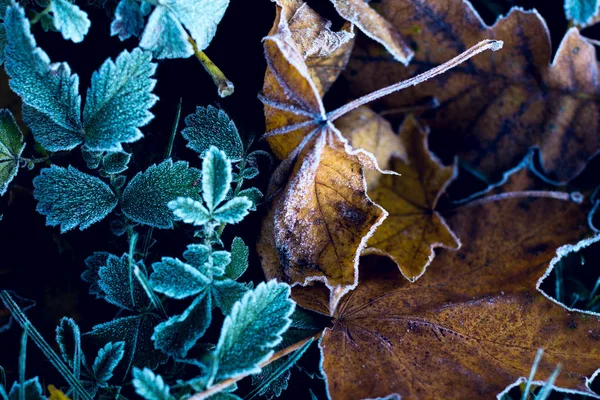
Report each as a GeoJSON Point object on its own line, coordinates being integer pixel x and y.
{"type": "Point", "coordinates": [322, 216]}
{"type": "Point", "coordinates": [473, 324]}
{"type": "Point", "coordinates": [494, 107]}
{"type": "Point", "coordinates": [414, 227]}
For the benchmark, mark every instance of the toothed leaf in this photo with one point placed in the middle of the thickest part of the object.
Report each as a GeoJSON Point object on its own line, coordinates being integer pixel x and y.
{"type": "Point", "coordinates": [227, 292]}
{"type": "Point", "coordinates": [69, 20]}
{"type": "Point", "coordinates": [239, 259]}
{"type": "Point", "coordinates": [90, 275]}
{"type": "Point", "coordinates": [177, 279]}
{"type": "Point", "coordinates": [233, 211]}
{"type": "Point", "coordinates": [68, 338]}
{"type": "Point", "coordinates": [220, 260]}
{"type": "Point", "coordinates": [107, 360]}
{"type": "Point", "coordinates": [11, 148]}
{"type": "Point", "coordinates": [189, 211]}
{"type": "Point", "coordinates": [31, 387]}
{"type": "Point", "coordinates": [149, 385]}
{"type": "Point", "coordinates": [115, 162]}
{"type": "Point", "coordinates": [129, 20]}
{"type": "Point", "coordinates": [165, 37]}
{"type": "Point", "coordinates": [216, 177]}
{"type": "Point", "coordinates": [120, 286]}
{"type": "Point", "coordinates": [581, 12]}
{"type": "Point", "coordinates": [198, 255]}
{"type": "Point", "coordinates": [209, 126]}
{"type": "Point", "coordinates": [92, 158]}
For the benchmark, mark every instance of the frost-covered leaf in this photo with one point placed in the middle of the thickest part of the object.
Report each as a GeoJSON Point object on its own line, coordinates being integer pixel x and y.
{"type": "Point", "coordinates": [107, 360]}
{"type": "Point", "coordinates": [135, 331]}
{"type": "Point", "coordinates": [115, 162]}
{"type": "Point", "coordinates": [233, 211]}
{"type": "Point", "coordinates": [70, 198]}
{"type": "Point", "coordinates": [216, 177]}
{"type": "Point", "coordinates": [119, 285]}
{"type": "Point", "coordinates": [50, 94]}
{"type": "Point", "coordinates": [178, 334]}
{"type": "Point", "coordinates": [11, 147]}
{"type": "Point", "coordinates": [118, 101]}
{"type": "Point", "coordinates": [150, 386]}
{"type": "Point", "coordinates": [31, 387]}
{"type": "Point", "coordinates": [249, 173]}
{"type": "Point", "coordinates": [129, 19]}
{"type": "Point", "coordinates": [69, 20]}
{"type": "Point", "coordinates": [165, 34]}
{"type": "Point", "coordinates": [227, 292]}
{"type": "Point", "coordinates": [239, 259]}
{"type": "Point", "coordinates": [252, 194]}
{"type": "Point", "coordinates": [90, 275]}
{"type": "Point", "coordinates": [582, 12]}
{"type": "Point", "coordinates": [189, 210]}
{"type": "Point", "coordinates": [209, 126]}
{"type": "Point", "coordinates": [68, 338]}
{"type": "Point", "coordinates": [92, 158]}
{"type": "Point", "coordinates": [177, 279]}
{"type": "Point", "coordinates": [219, 260]}
{"type": "Point", "coordinates": [253, 328]}
{"type": "Point", "coordinates": [146, 196]}
{"type": "Point", "coordinates": [198, 255]}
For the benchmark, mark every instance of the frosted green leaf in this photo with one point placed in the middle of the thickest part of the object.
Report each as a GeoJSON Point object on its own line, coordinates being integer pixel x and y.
{"type": "Point", "coordinates": [50, 93]}
{"type": "Point", "coordinates": [119, 286]}
{"type": "Point", "coordinates": [220, 259]}
{"type": "Point", "coordinates": [252, 330]}
{"type": "Point", "coordinates": [178, 334]}
{"type": "Point", "coordinates": [70, 198]}
{"type": "Point", "coordinates": [135, 331]}
{"type": "Point", "coordinates": [115, 162]}
{"type": "Point", "coordinates": [227, 292]}
{"type": "Point", "coordinates": [252, 194]}
{"type": "Point", "coordinates": [189, 211]}
{"type": "Point", "coordinates": [198, 255]}
{"type": "Point", "coordinates": [118, 101]}
{"type": "Point", "coordinates": [581, 12]}
{"type": "Point", "coordinates": [239, 259]}
{"type": "Point", "coordinates": [249, 173]}
{"type": "Point", "coordinates": [31, 387]}
{"type": "Point", "coordinates": [92, 158]}
{"type": "Point", "coordinates": [90, 275]}
{"type": "Point", "coordinates": [68, 338]}
{"type": "Point", "coordinates": [216, 177]}
{"type": "Point", "coordinates": [165, 37]}
{"type": "Point", "coordinates": [233, 211]}
{"type": "Point", "coordinates": [11, 148]}
{"type": "Point", "coordinates": [146, 196]}
{"type": "Point", "coordinates": [177, 279]}
{"type": "Point", "coordinates": [107, 360]}
{"type": "Point", "coordinates": [209, 126]}
{"type": "Point", "coordinates": [150, 386]}
{"type": "Point", "coordinates": [129, 20]}
{"type": "Point", "coordinates": [69, 20]}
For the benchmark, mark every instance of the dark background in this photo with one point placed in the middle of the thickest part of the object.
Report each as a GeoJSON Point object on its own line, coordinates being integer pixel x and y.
{"type": "Point", "coordinates": [41, 264]}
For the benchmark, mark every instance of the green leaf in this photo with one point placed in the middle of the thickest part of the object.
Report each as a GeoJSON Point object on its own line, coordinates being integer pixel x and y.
{"type": "Point", "coordinates": [233, 211]}
{"type": "Point", "coordinates": [227, 292]}
{"type": "Point", "coordinates": [178, 334]}
{"type": "Point", "coordinates": [146, 196]}
{"type": "Point", "coordinates": [129, 20]}
{"type": "Point", "coordinates": [118, 101]}
{"type": "Point", "coordinates": [135, 331]}
{"type": "Point", "coordinates": [69, 20]}
{"type": "Point", "coordinates": [249, 173]}
{"type": "Point", "coordinates": [252, 194]}
{"type": "Point", "coordinates": [239, 259]}
{"type": "Point", "coordinates": [115, 162]}
{"type": "Point", "coordinates": [119, 286]}
{"type": "Point", "coordinates": [216, 177]}
{"type": "Point", "coordinates": [11, 148]}
{"type": "Point", "coordinates": [209, 126]}
{"type": "Point", "coordinates": [50, 94]}
{"type": "Point", "coordinates": [189, 211]}
{"type": "Point", "coordinates": [70, 198]}
{"type": "Point", "coordinates": [150, 386]}
{"type": "Point", "coordinates": [90, 275]}
{"type": "Point", "coordinates": [92, 158]}
{"type": "Point", "coordinates": [68, 338]}
{"type": "Point", "coordinates": [219, 260]}
{"type": "Point", "coordinates": [107, 360]}
{"type": "Point", "coordinates": [198, 255]}
{"type": "Point", "coordinates": [31, 387]}
{"type": "Point", "coordinates": [165, 34]}
{"type": "Point", "coordinates": [581, 12]}
{"type": "Point", "coordinates": [252, 330]}
{"type": "Point", "coordinates": [177, 279]}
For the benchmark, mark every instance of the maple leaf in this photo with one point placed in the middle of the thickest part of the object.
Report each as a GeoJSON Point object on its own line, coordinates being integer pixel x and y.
{"type": "Point", "coordinates": [322, 217]}
{"type": "Point", "coordinates": [473, 324]}
{"type": "Point", "coordinates": [494, 107]}
{"type": "Point", "coordinates": [413, 228]}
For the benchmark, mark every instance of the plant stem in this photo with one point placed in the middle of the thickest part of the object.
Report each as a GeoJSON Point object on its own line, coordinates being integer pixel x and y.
{"type": "Point", "coordinates": [440, 69]}
{"type": "Point", "coordinates": [228, 382]}
{"type": "Point", "coordinates": [39, 16]}
{"type": "Point", "coordinates": [225, 86]}
{"type": "Point", "coordinates": [174, 130]}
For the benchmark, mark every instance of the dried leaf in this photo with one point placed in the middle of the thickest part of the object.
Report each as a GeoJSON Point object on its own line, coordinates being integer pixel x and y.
{"type": "Point", "coordinates": [473, 324]}
{"type": "Point", "coordinates": [493, 108]}
{"type": "Point", "coordinates": [413, 228]}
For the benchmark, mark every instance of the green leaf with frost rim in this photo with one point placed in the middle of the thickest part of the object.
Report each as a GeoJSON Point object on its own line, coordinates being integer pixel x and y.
{"type": "Point", "coordinates": [11, 148]}
{"type": "Point", "coordinates": [128, 21]}
{"type": "Point", "coordinates": [165, 37]}
{"type": "Point", "coordinates": [234, 211]}
{"type": "Point", "coordinates": [118, 101]}
{"type": "Point", "coordinates": [216, 177]}
{"type": "Point", "coordinates": [69, 20]}
{"type": "Point", "coordinates": [209, 126]}
{"type": "Point", "coordinates": [115, 162]}
{"type": "Point", "coordinates": [239, 259]}
{"type": "Point", "coordinates": [150, 386]}
{"type": "Point", "coordinates": [31, 387]}
{"type": "Point", "coordinates": [189, 211]}
{"type": "Point", "coordinates": [71, 198]}
{"type": "Point", "coordinates": [119, 286]}
{"type": "Point", "coordinates": [176, 279]}
{"type": "Point", "coordinates": [254, 327]}
{"type": "Point", "coordinates": [582, 12]}
{"type": "Point", "coordinates": [146, 196]}
{"type": "Point", "coordinates": [107, 360]}
{"type": "Point", "coordinates": [50, 93]}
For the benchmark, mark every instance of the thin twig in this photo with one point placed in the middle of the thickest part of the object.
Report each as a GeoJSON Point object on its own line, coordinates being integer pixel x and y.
{"type": "Point", "coordinates": [228, 382]}
{"type": "Point", "coordinates": [224, 85]}
{"type": "Point", "coordinates": [440, 69]}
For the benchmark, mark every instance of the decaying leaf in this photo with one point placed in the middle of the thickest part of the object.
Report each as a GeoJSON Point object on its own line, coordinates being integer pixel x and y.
{"type": "Point", "coordinates": [474, 322]}
{"type": "Point", "coordinates": [494, 107]}
{"type": "Point", "coordinates": [413, 228]}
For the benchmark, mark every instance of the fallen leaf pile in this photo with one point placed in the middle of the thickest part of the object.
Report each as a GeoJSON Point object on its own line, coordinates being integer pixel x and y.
{"type": "Point", "coordinates": [446, 300]}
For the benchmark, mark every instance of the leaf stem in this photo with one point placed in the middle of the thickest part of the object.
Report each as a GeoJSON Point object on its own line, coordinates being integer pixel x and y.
{"type": "Point", "coordinates": [228, 382]}
{"type": "Point", "coordinates": [482, 46]}
{"type": "Point", "coordinates": [174, 130]}
{"type": "Point", "coordinates": [225, 86]}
